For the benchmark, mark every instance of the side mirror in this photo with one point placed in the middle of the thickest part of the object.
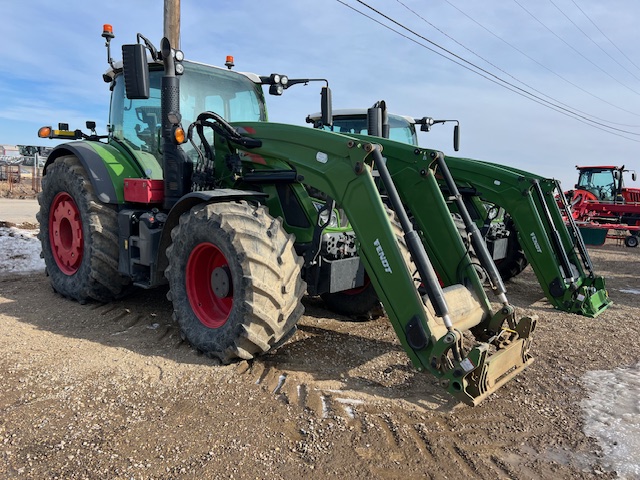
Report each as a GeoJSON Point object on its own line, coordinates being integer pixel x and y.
{"type": "Point", "coordinates": [633, 176]}
{"type": "Point", "coordinates": [374, 121]}
{"type": "Point", "coordinates": [385, 119]}
{"type": "Point", "coordinates": [456, 137]}
{"type": "Point", "coordinates": [136, 71]}
{"type": "Point", "coordinates": [326, 108]}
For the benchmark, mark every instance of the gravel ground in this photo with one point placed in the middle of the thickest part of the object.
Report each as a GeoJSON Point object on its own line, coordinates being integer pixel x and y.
{"type": "Point", "coordinates": [111, 391]}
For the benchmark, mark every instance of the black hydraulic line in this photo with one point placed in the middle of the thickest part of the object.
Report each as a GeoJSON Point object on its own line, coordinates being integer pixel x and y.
{"type": "Point", "coordinates": [271, 176]}
{"type": "Point", "coordinates": [555, 237]}
{"type": "Point", "coordinates": [418, 253]}
{"type": "Point", "coordinates": [573, 227]}
{"type": "Point", "coordinates": [479, 245]}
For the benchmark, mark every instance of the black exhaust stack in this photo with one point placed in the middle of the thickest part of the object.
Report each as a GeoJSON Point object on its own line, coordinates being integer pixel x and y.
{"type": "Point", "coordinates": [177, 168]}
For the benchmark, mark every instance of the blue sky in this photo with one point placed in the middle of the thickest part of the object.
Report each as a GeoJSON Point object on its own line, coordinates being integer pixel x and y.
{"type": "Point", "coordinates": [53, 59]}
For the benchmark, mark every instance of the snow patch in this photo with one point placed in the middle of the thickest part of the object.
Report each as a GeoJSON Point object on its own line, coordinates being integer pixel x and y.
{"type": "Point", "coordinates": [612, 417]}
{"type": "Point", "coordinates": [19, 250]}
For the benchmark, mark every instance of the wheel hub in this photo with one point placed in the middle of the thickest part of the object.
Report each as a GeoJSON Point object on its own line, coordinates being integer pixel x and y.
{"type": "Point", "coordinates": [220, 281]}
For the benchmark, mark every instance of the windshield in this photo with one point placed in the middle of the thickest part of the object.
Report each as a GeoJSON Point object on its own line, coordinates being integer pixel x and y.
{"type": "Point", "coordinates": [202, 88]}
{"type": "Point", "coordinates": [599, 182]}
{"type": "Point", "coordinates": [400, 129]}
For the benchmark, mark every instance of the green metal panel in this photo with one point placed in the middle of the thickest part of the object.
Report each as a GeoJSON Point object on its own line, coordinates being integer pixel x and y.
{"type": "Point", "coordinates": [148, 163]}
{"type": "Point", "coordinates": [118, 164]}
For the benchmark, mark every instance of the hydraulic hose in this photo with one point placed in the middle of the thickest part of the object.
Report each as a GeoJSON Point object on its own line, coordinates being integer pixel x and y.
{"type": "Point", "coordinates": [584, 254]}
{"type": "Point", "coordinates": [414, 244]}
{"type": "Point", "coordinates": [555, 237]}
{"type": "Point", "coordinates": [479, 246]}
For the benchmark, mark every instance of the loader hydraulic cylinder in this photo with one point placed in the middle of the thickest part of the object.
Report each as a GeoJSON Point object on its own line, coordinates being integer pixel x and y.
{"type": "Point", "coordinates": [414, 244]}
{"type": "Point", "coordinates": [571, 223]}
{"type": "Point", "coordinates": [555, 237]}
{"type": "Point", "coordinates": [479, 245]}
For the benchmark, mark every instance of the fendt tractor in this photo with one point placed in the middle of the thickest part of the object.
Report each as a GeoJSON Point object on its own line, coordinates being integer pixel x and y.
{"type": "Point", "coordinates": [241, 217]}
{"type": "Point", "coordinates": [515, 211]}
{"type": "Point", "coordinates": [496, 227]}
{"type": "Point", "coordinates": [601, 197]}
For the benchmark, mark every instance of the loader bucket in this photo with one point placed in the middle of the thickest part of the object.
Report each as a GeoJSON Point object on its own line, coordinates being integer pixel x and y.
{"type": "Point", "coordinates": [487, 366]}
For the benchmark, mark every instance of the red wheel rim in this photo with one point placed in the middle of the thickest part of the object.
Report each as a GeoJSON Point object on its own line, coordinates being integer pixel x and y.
{"type": "Point", "coordinates": [211, 309]}
{"type": "Point", "coordinates": [65, 233]}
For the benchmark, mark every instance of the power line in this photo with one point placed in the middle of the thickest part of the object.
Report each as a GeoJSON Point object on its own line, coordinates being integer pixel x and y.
{"type": "Point", "coordinates": [604, 35]}
{"type": "Point", "coordinates": [502, 83]}
{"type": "Point", "coordinates": [551, 71]}
{"type": "Point", "coordinates": [507, 73]}
{"type": "Point", "coordinates": [592, 40]}
{"type": "Point", "coordinates": [576, 50]}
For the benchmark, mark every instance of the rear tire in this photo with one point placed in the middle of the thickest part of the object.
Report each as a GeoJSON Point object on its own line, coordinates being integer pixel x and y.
{"type": "Point", "coordinates": [79, 235]}
{"type": "Point", "coordinates": [515, 261]}
{"type": "Point", "coordinates": [234, 280]}
{"type": "Point", "coordinates": [510, 266]}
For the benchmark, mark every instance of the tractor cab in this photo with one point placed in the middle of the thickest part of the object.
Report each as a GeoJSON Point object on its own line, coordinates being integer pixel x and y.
{"type": "Point", "coordinates": [349, 121]}
{"type": "Point", "coordinates": [604, 182]}
{"type": "Point", "coordinates": [137, 122]}
{"type": "Point", "coordinates": [400, 128]}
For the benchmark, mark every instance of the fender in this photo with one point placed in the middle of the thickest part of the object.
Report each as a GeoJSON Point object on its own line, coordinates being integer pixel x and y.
{"type": "Point", "coordinates": [106, 165]}
{"type": "Point", "coordinates": [185, 204]}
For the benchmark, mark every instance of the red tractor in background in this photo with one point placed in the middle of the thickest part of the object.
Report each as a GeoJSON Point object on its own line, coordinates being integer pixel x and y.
{"type": "Point", "coordinates": [601, 200]}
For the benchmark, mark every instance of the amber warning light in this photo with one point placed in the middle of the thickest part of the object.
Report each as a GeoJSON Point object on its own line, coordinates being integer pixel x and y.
{"type": "Point", "coordinates": [44, 132]}
{"type": "Point", "coordinates": [229, 62]}
{"type": "Point", "coordinates": [107, 31]}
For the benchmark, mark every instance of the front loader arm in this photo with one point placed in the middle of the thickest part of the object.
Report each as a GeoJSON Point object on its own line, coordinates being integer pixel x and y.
{"type": "Point", "coordinates": [553, 248]}
{"type": "Point", "coordinates": [340, 166]}
{"type": "Point", "coordinates": [337, 166]}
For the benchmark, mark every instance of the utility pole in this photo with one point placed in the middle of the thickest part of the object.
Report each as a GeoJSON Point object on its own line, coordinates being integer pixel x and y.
{"type": "Point", "coordinates": [172, 22]}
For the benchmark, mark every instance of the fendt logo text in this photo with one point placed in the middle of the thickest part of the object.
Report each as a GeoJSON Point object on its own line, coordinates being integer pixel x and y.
{"type": "Point", "coordinates": [383, 257]}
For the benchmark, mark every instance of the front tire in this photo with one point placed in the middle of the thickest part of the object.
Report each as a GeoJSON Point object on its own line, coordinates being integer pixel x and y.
{"type": "Point", "coordinates": [360, 303]}
{"type": "Point", "coordinates": [79, 235]}
{"type": "Point", "coordinates": [515, 261]}
{"type": "Point", "coordinates": [234, 280]}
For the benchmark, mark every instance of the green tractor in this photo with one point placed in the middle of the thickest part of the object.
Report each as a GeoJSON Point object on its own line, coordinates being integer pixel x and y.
{"type": "Point", "coordinates": [242, 217]}
{"type": "Point", "coordinates": [516, 212]}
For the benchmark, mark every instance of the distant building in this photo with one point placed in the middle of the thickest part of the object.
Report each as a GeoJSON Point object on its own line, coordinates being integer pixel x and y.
{"type": "Point", "coordinates": [10, 150]}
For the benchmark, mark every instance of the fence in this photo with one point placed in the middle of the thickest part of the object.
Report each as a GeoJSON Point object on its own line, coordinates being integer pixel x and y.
{"type": "Point", "coordinates": [20, 170]}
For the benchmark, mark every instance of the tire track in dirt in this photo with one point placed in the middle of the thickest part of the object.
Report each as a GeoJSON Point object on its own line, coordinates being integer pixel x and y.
{"type": "Point", "coordinates": [396, 421]}
{"type": "Point", "coordinates": [406, 434]}
{"type": "Point", "coordinates": [129, 317]}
